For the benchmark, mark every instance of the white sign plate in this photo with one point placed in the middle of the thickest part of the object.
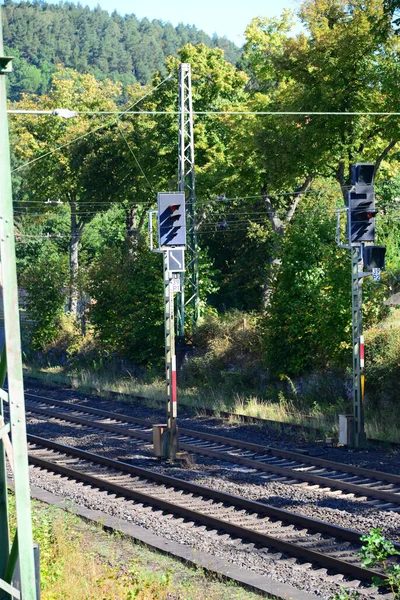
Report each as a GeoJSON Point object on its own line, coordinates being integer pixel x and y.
{"type": "Point", "coordinates": [376, 274]}
{"type": "Point", "coordinates": [176, 284]}
{"type": "Point", "coordinates": [176, 260]}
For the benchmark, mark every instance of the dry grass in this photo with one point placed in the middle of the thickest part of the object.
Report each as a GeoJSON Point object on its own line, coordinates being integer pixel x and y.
{"type": "Point", "coordinates": [87, 381]}
{"type": "Point", "coordinates": [378, 425]}
{"type": "Point", "coordinates": [80, 561]}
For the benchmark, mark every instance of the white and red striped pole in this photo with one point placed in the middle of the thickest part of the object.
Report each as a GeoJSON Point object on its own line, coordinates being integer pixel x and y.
{"type": "Point", "coordinates": [170, 363]}
{"type": "Point", "coordinates": [362, 363]}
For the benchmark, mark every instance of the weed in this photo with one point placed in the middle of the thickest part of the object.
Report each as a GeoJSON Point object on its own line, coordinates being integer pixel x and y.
{"type": "Point", "coordinates": [377, 552]}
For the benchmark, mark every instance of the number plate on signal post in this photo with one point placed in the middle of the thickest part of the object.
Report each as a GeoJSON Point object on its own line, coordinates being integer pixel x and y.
{"type": "Point", "coordinates": [376, 274]}
{"type": "Point", "coordinates": [175, 283]}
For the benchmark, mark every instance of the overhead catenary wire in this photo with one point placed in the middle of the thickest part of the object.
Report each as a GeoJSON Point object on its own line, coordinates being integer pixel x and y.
{"type": "Point", "coordinates": [295, 113]}
{"type": "Point", "coordinates": [102, 126]}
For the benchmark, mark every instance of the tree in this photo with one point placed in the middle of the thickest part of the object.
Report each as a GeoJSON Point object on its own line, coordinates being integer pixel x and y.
{"type": "Point", "coordinates": [309, 318]}
{"type": "Point", "coordinates": [123, 48]}
{"type": "Point", "coordinates": [57, 155]}
{"type": "Point", "coordinates": [127, 303]}
{"type": "Point", "coordinates": [346, 63]}
{"type": "Point", "coordinates": [44, 282]}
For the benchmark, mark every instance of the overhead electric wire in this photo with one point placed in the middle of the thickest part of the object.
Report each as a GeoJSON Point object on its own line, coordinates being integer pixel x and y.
{"type": "Point", "coordinates": [220, 112]}
{"type": "Point", "coordinates": [136, 160]}
{"type": "Point", "coordinates": [102, 126]}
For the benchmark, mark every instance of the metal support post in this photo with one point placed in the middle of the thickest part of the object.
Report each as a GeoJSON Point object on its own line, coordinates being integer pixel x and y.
{"type": "Point", "coordinates": [186, 184]}
{"type": "Point", "coordinates": [358, 438]}
{"type": "Point", "coordinates": [15, 396]}
{"type": "Point", "coordinates": [170, 362]}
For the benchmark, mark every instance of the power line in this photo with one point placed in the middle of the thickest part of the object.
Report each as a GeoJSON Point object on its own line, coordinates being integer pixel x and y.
{"type": "Point", "coordinates": [218, 112]}
{"type": "Point", "coordinates": [111, 122]}
{"type": "Point", "coordinates": [136, 160]}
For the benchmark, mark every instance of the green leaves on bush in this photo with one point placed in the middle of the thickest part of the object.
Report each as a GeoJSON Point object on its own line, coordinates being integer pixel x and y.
{"type": "Point", "coordinates": [45, 285]}
{"type": "Point", "coordinates": [126, 310]}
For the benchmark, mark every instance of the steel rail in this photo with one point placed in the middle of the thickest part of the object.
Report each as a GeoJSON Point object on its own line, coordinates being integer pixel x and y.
{"type": "Point", "coordinates": [216, 523]}
{"type": "Point", "coordinates": [316, 461]}
{"type": "Point", "coordinates": [320, 480]}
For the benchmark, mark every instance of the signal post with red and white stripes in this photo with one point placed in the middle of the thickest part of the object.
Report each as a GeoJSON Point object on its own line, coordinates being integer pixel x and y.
{"type": "Point", "coordinates": [358, 437]}
{"type": "Point", "coordinates": [170, 363]}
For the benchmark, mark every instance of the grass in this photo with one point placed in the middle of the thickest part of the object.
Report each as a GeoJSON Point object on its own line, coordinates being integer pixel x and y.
{"type": "Point", "coordinates": [323, 418]}
{"type": "Point", "coordinates": [80, 561]}
{"type": "Point", "coordinates": [196, 399]}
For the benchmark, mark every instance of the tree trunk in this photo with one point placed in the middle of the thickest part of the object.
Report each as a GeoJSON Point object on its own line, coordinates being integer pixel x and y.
{"type": "Point", "coordinates": [134, 227]}
{"type": "Point", "coordinates": [279, 228]}
{"type": "Point", "coordinates": [76, 233]}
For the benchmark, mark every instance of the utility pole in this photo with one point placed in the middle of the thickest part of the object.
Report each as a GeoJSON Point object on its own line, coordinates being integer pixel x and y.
{"type": "Point", "coordinates": [186, 184]}
{"type": "Point", "coordinates": [22, 546]}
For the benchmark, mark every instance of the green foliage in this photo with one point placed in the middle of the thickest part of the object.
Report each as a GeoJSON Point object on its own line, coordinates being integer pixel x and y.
{"type": "Point", "coordinates": [126, 307]}
{"type": "Point", "coordinates": [107, 230]}
{"type": "Point", "coordinates": [344, 61]}
{"type": "Point", "coordinates": [378, 552]}
{"type": "Point", "coordinates": [309, 317]}
{"type": "Point", "coordinates": [122, 48]}
{"type": "Point", "coordinates": [44, 282]}
{"type": "Point", "coordinates": [346, 595]}
{"type": "Point", "coordinates": [388, 225]}
{"type": "Point", "coordinates": [228, 352]}
{"type": "Point", "coordinates": [382, 362]}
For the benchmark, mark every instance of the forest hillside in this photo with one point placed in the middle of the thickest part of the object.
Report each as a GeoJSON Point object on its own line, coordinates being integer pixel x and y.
{"type": "Point", "coordinates": [123, 48]}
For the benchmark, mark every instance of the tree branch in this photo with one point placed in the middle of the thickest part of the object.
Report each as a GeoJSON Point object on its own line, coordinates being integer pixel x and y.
{"type": "Point", "coordinates": [383, 155]}
{"type": "Point", "coordinates": [297, 197]}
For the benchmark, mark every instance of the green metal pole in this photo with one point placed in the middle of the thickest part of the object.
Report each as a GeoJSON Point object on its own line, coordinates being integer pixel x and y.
{"type": "Point", "coordinates": [13, 350]}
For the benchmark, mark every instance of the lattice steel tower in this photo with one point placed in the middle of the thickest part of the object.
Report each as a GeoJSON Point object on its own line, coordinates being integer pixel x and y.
{"type": "Point", "coordinates": [186, 184]}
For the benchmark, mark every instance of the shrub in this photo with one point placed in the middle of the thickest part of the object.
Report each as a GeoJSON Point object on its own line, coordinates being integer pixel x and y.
{"type": "Point", "coordinates": [45, 282]}
{"type": "Point", "coordinates": [382, 362]}
{"type": "Point", "coordinates": [126, 307]}
{"type": "Point", "coordinates": [228, 352]}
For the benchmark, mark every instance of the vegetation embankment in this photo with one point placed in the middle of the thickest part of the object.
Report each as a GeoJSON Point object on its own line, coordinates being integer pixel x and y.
{"type": "Point", "coordinates": [268, 189]}
{"type": "Point", "coordinates": [226, 371]}
{"type": "Point", "coordinates": [113, 567]}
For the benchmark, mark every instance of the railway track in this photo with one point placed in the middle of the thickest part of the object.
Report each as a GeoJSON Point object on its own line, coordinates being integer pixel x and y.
{"type": "Point", "coordinates": [314, 543]}
{"type": "Point", "coordinates": [377, 488]}
{"type": "Point", "coordinates": [284, 427]}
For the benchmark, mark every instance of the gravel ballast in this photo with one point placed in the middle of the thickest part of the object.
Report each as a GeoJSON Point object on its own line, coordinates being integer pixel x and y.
{"type": "Point", "coordinates": [337, 508]}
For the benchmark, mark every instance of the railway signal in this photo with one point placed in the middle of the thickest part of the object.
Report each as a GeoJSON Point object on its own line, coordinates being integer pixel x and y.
{"type": "Point", "coordinates": [171, 220]}
{"type": "Point", "coordinates": [361, 204]}
{"type": "Point", "coordinates": [171, 233]}
{"type": "Point", "coordinates": [366, 259]}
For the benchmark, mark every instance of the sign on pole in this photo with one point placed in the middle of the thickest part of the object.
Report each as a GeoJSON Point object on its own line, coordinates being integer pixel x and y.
{"type": "Point", "coordinates": [176, 283]}
{"type": "Point", "coordinates": [176, 260]}
{"type": "Point", "coordinates": [376, 274]}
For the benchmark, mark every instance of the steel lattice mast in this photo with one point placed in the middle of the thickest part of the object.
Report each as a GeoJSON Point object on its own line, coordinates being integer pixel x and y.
{"type": "Point", "coordinates": [186, 184]}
